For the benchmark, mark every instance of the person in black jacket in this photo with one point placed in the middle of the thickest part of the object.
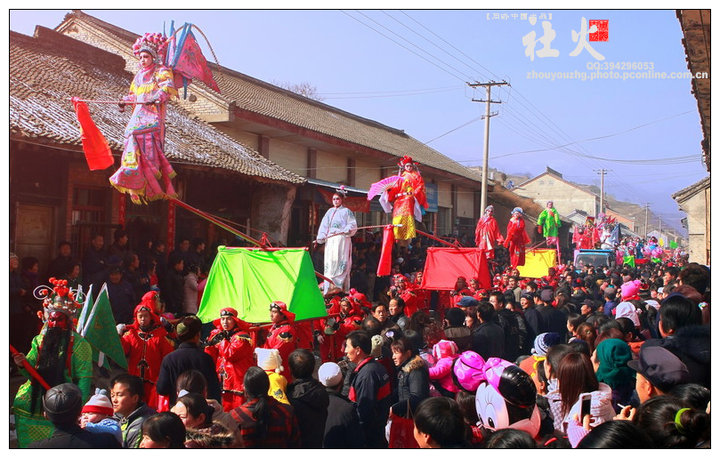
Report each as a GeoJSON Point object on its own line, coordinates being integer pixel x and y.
{"type": "Point", "coordinates": [308, 397]}
{"type": "Point", "coordinates": [63, 404]}
{"type": "Point", "coordinates": [413, 376]}
{"type": "Point", "coordinates": [173, 288]}
{"type": "Point", "coordinates": [188, 355]}
{"type": "Point", "coordinates": [555, 319]}
{"type": "Point", "coordinates": [370, 388]}
{"type": "Point", "coordinates": [488, 339]}
{"type": "Point", "coordinates": [342, 427]}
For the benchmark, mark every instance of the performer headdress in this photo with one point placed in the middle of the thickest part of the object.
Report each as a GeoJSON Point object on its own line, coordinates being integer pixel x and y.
{"type": "Point", "coordinates": [518, 210]}
{"type": "Point", "coordinates": [489, 208]}
{"type": "Point", "coordinates": [59, 298]}
{"type": "Point", "coordinates": [341, 191]}
{"type": "Point", "coordinates": [406, 160]}
{"type": "Point", "coordinates": [283, 309]}
{"type": "Point", "coordinates": [153, 43]}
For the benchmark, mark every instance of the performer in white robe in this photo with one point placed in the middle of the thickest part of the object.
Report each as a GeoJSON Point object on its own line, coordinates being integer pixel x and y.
{"type": "Point", "coordinates": [338, 248]}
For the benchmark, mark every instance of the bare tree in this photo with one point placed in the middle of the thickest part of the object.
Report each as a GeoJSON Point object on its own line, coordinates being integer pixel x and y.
{"type": "Point", "coordinates": [305, 89]}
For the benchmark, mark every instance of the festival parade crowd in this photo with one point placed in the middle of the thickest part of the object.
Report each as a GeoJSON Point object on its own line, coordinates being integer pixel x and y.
{"type": "Point", "coordinates": [392, 365]}
{"type": "Point", "coordinates": [611, 356]}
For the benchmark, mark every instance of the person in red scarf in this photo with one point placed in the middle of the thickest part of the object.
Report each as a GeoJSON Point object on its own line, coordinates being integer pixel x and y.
{"type": "Point", "coordinates": [283, 334]}
{"type": "Point", "coordinates": [230, 346]}
{"type": "Point", "coordinates": [516, 238]}
{"type": "Point", "coordinates": [145, 343]}
{"type": "Point", "coordinates": [487, 234]}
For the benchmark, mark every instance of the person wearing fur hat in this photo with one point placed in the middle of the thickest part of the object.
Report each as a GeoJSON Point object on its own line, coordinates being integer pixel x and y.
{"type": "Point", "coordinates": [230, 346]}
{"type": "Point", "coordinates": [336, 230]}
{"type": "Point", "coordinates": [62, 405]}
{"type": "Point", "coordinates": [487, 234]}
{"type": "Point", "coordinates": [283, 334]}
{"type": "Point", "coordinates": [143, 159]}
{"type": "Point", "coordinates": [409, 200]}
{"type": "Point", "coordinates": [268, 359]}
{"type": "Point", "coordinates": [97, 415]}
{"type": "Point", "coordinates": [58, 354]}
{"type": "Point", "coordinates": [516, 238]}
{"type": "Point", "coordinates": [145, 343]}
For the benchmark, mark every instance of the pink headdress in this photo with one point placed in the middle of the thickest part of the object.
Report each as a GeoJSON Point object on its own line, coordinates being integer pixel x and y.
{"type": "Point", "coordinates": [154, 43]}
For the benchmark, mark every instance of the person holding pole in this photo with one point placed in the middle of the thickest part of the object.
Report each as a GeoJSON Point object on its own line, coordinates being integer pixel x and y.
{"type": "Point", "coordinates": [143, 160]}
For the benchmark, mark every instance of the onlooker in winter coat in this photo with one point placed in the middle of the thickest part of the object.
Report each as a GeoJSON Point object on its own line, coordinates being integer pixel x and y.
{"type": "Point", "coordinates": [308, 398]}
{"type": "Point", "coordinates": [342, 427]}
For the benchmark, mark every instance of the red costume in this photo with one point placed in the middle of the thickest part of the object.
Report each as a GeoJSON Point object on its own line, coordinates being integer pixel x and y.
{"type": "Point", "coordinates": [232, 352]}
{"type": "Point", "coordinates": [283, 336]}
{"type": "Point", "coordinates": [487, 233]}
{"type": "Point", "coordinates": [336, 328]}
{"type": "Point", "coordinates": [145, 349]}
{"type": "Point", "coordinates": [516, 238]}
{"type": "Point", "coordinates": [408, 197]}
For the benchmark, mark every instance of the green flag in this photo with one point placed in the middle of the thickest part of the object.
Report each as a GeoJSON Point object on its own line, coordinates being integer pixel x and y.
{"type": "Point", "coordinates": [249, 280]}
{"type": "Point", "coordinates": [629, 261]}
{"type": "Point", "coordinates": [673, 244]}
{"type": "Point", "coordinates": [99, 329]}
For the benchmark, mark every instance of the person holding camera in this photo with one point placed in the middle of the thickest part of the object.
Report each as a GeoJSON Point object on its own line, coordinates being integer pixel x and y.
{"type": "Point", "coordinates": [230, 346]}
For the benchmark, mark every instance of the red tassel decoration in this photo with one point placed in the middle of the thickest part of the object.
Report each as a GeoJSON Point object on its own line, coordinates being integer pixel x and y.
{"type": "Point", "coordinates": [385, 264]}
{"type": "Point", "coordinates": [97, 151]}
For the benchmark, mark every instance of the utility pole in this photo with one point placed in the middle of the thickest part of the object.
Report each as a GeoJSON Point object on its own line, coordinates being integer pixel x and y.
{"type": "Point", "coordinates": [647, 205]}
{"type": "Point", "coordinates": [602, 173]}
{"type": "Point", "coordinates": [488, 101]}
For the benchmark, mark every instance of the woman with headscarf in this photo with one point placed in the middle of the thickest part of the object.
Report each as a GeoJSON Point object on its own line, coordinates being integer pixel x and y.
{"type": "Point", "coordinates": [610, 359]}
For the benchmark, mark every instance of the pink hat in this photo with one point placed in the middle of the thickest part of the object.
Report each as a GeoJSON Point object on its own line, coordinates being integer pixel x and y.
{"type": "Point", "coordinates": [444, 348]}
{"type": "Point", "coordinates": [630, 289]}
{"type": "Point", "coordinates": [468, 371]}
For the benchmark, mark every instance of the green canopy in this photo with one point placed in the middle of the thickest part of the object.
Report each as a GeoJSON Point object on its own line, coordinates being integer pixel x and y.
{"type": "Point", "coordinates": [250, 279]}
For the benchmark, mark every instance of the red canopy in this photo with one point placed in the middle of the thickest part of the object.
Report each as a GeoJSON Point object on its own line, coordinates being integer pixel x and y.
{"type": "Point", "coordinates": [444, 265]}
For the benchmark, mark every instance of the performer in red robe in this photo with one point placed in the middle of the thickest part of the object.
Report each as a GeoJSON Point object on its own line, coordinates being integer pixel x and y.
{"type": "Point", "coordinates": [487, 234]}
{"type": "Point", "coordinates": [335, 329]}
{"type": "Point", "coordinates": [516, 238]}
{"type": "Point", "coordinates": [145, 343]}
{"type": "Point", "coordinates": [283, 334]}
{"type": "Point", "coordinates": [230, 346]}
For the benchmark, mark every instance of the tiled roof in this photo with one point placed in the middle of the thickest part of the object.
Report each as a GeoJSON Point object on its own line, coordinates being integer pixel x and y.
{"type": "Point", "coordinates": [695, 25]}
{"type": "Point", "coordinates": [46, 70]}
{"type": "Point", "coordinates": [691, 190]}
{"type": "Point", "coordinates": [265, 99]}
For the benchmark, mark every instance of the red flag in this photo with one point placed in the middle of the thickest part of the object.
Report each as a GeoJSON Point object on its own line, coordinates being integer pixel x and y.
{"type": "Point", "coordinates": [385, 264]}
{"type": "Point", "coordinates": [97, 151]}
{"type": "Point", "coordinates": [191, 63]}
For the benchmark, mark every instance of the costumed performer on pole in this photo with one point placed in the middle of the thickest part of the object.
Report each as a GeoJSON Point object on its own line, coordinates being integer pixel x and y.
{"type": "Point", "coordinates": [487, 234]}
{"type": "Point", "coordinates": [59, 354]}
{"type": "Point", "coordinates": [143, 162]}
{"type": "Point", "coordinates": [408, 199]}
{"type": "Point", "coordinates": [336, 231]}
{"type": "Point", "coordinates": [516, 238]}
{"type": "Point", "coordinates": [547, 225]}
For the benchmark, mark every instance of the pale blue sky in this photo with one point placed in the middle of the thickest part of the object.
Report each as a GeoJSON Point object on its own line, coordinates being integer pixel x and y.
{"type": "Point", "coordinates": [408, 69]}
